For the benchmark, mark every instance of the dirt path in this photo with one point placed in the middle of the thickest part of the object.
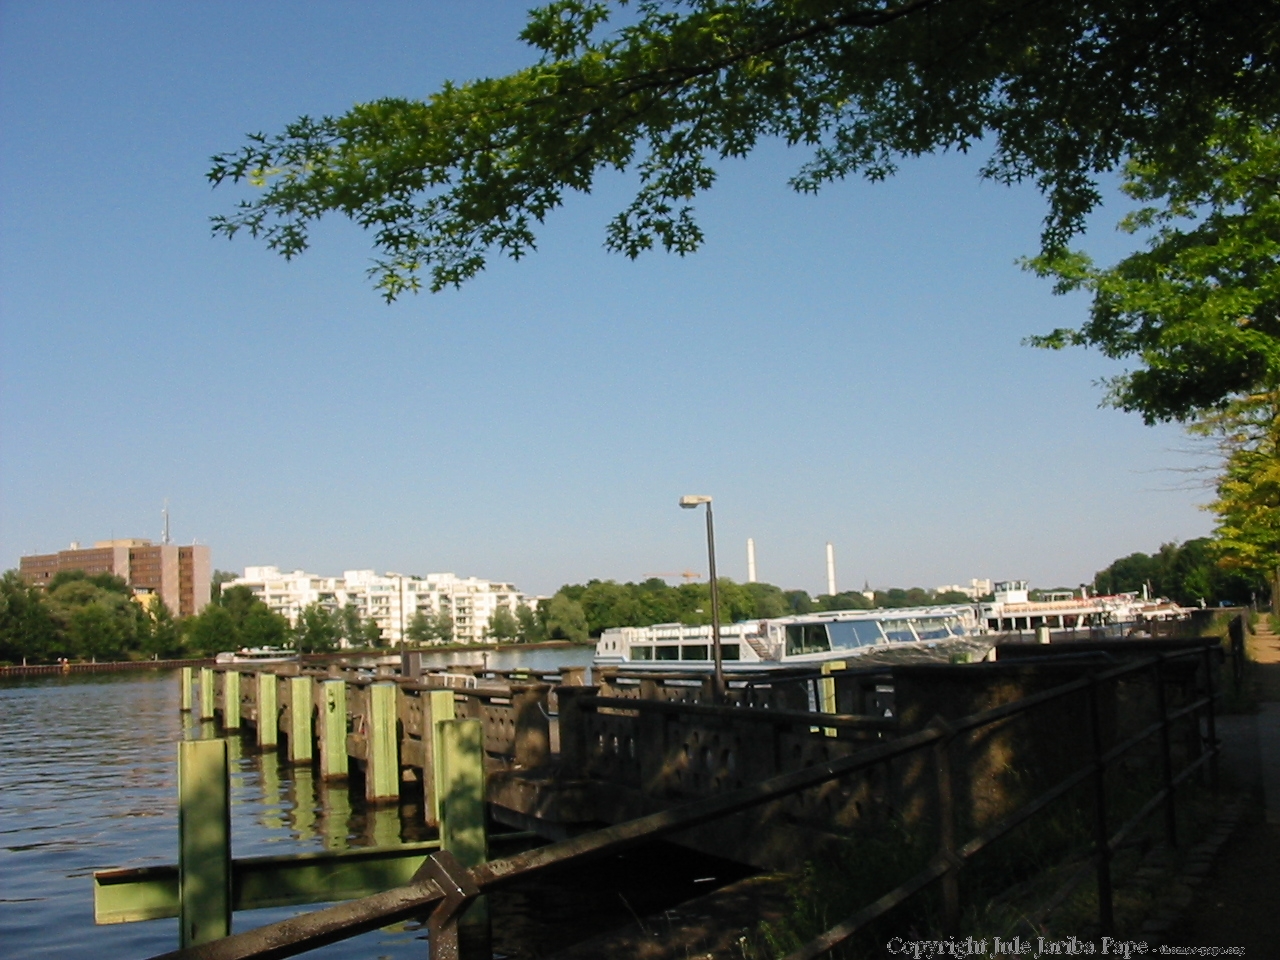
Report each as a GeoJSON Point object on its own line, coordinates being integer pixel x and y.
{"type": "Point", "coordinates": [1238, 903]}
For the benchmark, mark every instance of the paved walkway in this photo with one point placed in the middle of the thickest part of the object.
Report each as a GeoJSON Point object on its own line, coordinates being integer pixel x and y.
{"type": "Point", "coordinates": [1238, 904]}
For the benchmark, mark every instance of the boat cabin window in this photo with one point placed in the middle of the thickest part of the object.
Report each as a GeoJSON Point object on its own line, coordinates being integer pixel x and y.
{"type": "Point", "coordinates": [898, 631]}
{"type": "Point", "coordinates": [807, 638]}
{"type": "Point", "coordinates": [641, 652]}
{"type": "Point", "coordinates": [666, 653]}
{"type": "Point", "coordinates": [934, 628]}
{"type": "Point", "coordinates": [694, 652]}
{"type": "Point", "coordinates": [851, 634]}
{"type": "Point", "coordinates": [728, 651]}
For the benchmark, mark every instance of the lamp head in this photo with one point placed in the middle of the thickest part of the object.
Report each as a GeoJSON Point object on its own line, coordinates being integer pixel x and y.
{"type": "Point", "coordinates": [691, 501]}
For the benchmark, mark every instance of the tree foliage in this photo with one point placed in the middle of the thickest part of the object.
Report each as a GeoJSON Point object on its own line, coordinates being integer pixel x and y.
{"type": "Point", "coordinates": [317, 629]}
{"type": "Point", "coordinates": [503, 625]}
{"type": "Point", "coordinates": [427, 628]}
{"type": "Point", "coordinates": [1187, 573]}
{"type": "Point", "coordinates": [1199, 309]}
{"type": "Point", "coordinates": [606, 603]}
{"type": "Point", "coordinates": [1063, 89]}
{"type": "Point", "coordinates": [1247, 505]}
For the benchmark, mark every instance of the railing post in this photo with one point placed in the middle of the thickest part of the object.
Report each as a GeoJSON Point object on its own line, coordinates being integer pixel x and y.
{"type": "Point", "coordinates": [573, 729]}
{"type": "Point", "coordinates": [299, 719]}
{"type": "Point", "coordinates": [827, 692]}
{"type": "Point", "coordinates": [1101, 839]}
{"type": "Point", "coordinates": [439, 706]}
{"type": "Point", "coordinates": [532, 725]}
{"type": "Point", "coordinates": [1213, 727]}
{"type": "Point", "coordinates": [184, 698]}
{"type": "Point", "coordinates": [204, 842]}
{"type": "Point", "coordinates": [1166, 757]}
{"type": "Point", "coordinates": [382, 771]}
{"type": "Point", "coordinates": [231, 700]}
{"type": "Point", "coordinates": [206, 693]}
{"type": "Point", "coordinates": [947, 825]}
{"type": "Point", "coordinates": [268, 718]}
{"type": "Point", "coordinates": [333, 730]}
{"type": "Point", "coordinates": [462, 822]}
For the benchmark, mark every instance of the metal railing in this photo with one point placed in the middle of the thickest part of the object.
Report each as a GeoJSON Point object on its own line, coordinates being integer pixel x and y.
{"type": "Point", "coordinates": [442, 889]}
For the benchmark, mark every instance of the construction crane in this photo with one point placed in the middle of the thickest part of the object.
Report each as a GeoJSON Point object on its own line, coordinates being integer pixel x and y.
{"type": "Point", "coordinates": [687, 574]}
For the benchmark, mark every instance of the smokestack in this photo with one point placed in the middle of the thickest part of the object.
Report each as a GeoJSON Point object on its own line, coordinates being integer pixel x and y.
{"type": "Point", "coordinates": [751, 560]}
{"type": "Point", "coordinates": [831, 569]}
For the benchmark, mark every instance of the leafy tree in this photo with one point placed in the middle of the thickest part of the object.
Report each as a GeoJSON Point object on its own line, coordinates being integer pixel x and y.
{"type": "Point", "coordinates": [952, 596]}
{"type": "Point", "coordinates": [1199, 310]}
{"type": "Point", "coordinates": [420, 629]}
{"type": "Point", "coordinates": [849, 600]}
{"type": "Point", "coordinates": [443, 626]}
{"type": "Point", "coordinates": [370, 633]}
{"type": "Point", "coordinates": [565, 619]}
{"type": "Point", "coordinates": [213, 631]}
{"type": "Point", "coordinates": [96, 616]}
{"type": "Point", "coordinates": [218, 578]}
{"type": "Point", "coordinates": [530, 627]}
{"type": "Point", "coordinates": [238, 601]}
{"type": "Point", "coordinates": [162, 636]}
{"type": "Point", "coordinates": [1187, 573]}
{"type": "Point", "coordinates": [1247, 505]}
{"type": "Point", "coordinates": [318, 629]}
{"type": "Point", "coordinates": [260, 627]}
{"type": "Point", "coordinates": [503, 625]}
{"type": "Point", "coordinates": [798, 601]}
{"type": "Point", "coordinates": [1065, 89]}
{"type": "Point", "coordinates": [357, 630]}
{"type": "Point", "coordinates": [769, 600]}
{"type": "Point", "coordinates": [26, 627]}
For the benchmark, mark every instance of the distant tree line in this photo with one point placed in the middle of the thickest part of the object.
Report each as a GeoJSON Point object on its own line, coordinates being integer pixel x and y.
{"type": "Point", "coordinates": [579, 611]}
{"type": "Point", "coordinates": [81, 617]}
{"type": "Point", "coordinates": [1186, 573]}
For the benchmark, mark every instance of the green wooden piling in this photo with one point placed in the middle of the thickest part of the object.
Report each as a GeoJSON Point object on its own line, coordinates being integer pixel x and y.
{"type": "Point", "coordinates": [267, 717]}
{"type": "Point", "coordinates": [185, 678]}
{"type": "Point", "coordinates": [333, 729]}
{"type": "Point", "coordinates": [439, 707]}
{"type": "Point", "coordinates": [206, 693]}
{"type": "Point", "coordinates": [231, 700]}
{"type": "Point", "coordinates": [382, 773]}
{"type": "Point", "coordinates": [204, 842]}
{"type": "Point", "coordinates": [827, 689]}
{"type": "Point", "coordinates": [462, 820]}
{"type": "Point", "coordinates": [299, 719]}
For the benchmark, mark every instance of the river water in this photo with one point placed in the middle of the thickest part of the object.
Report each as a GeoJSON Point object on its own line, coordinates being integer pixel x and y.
{"type": "Point", "coordinates": [88, 782]}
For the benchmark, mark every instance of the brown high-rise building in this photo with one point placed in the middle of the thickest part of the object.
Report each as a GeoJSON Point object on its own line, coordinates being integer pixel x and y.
{"type": "Point", "coordinates": [179, 575]}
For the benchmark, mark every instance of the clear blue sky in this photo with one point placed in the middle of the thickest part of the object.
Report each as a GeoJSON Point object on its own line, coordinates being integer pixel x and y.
{"type": "Point", "coordinates": [845, 367]}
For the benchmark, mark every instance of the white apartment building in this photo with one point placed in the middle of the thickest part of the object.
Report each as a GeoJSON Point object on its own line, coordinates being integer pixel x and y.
{"type": "Point", "coordinates": [390, 600]}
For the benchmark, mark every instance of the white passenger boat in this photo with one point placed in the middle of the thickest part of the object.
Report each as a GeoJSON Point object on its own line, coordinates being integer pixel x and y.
{"type": "Point", "coordinates": [805, 639]}
{"type": "Point", "coordinates": [811, 639]}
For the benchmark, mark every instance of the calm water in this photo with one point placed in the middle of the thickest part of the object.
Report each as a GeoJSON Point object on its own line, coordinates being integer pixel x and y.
{"type": "Point", "coordinates": [87, 782]}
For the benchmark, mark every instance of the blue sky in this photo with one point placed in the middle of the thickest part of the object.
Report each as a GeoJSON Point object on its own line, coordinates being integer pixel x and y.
{"type": "Point", "coordinates": [846, 367]}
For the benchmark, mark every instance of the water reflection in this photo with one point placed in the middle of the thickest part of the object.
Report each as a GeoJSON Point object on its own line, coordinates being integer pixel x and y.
{"type": "Point", "coordinates": [89, 783]}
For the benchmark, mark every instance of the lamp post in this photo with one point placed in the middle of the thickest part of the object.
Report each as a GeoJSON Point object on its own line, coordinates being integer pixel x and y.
{"type": "Point", "coordinates": [691, 503]}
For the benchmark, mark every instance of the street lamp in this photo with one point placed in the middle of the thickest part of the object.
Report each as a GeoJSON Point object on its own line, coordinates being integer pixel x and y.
{"type": "Point", "coordinates": [691, 503]}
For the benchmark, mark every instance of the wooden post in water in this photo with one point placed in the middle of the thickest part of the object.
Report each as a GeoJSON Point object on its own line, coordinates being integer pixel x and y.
{"type": "Point", "coordinates": [439, 707]}
{"type": "Point", "coordinates": [231, 700]}
{"type": "Point", "coordinates": [184, 699]}
{"type": "Point", "coordinates": [382, 773]}
{"type": "Point", "coordinates": [267, 716]}
{"type": "Point", "coordinates": [299, 719]}
{"type": "Point", "coordinates": [204, 842]}
{"type": "Point", "coordinates": [462, 819]}
{"type": "Point", "coordinates": [333, 729]}
{"type": "Point", "coordinates": [206, 693]}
